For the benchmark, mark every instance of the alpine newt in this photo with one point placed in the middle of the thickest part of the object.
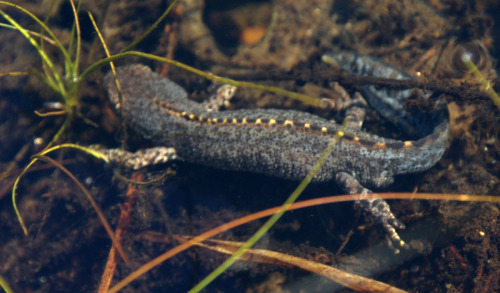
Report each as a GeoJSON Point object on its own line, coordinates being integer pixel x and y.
{"type": "Point", "coordinates": [283, 143]}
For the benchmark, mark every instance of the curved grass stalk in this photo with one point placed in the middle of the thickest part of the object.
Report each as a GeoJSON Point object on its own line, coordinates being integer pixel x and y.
{"type": "Point", "coordinates": [103, 43]}
{"type": "Point", "coordinates": [41, 156]}
{"type": "Point", "coordinates": [57, 83]}
{"type": "Point", "coordinates": [60, 131]}
{"type": "Point", "coordinates": [44, 27]}
{"type": "Point", "coordinates": [466, 59]}
{"type": "Point", "coordinates": [51, 113]}
{"type": "Point", "coordinates": [76, 62]}
{"type": "Point", "coordinates": [35, 34]}
{"type": "Point", "coordinates": [106, 50]}
{"type": "Point", "coordinates": [100, 214]}
{"type": "Point", "coordinates": [66, 87]}
{"type": "Point", "coordinates": [352, 281]}
{"type": "Point", "coordinates": [35, 159]}
{"type": "Point", "coordinates": [243, 84]}
{"type": "Point", "coordinates": [16, 73]}
{"type": "Point", "coordinates": [5, 286]}
{"type": "Point", "coordinates": [151, 28]}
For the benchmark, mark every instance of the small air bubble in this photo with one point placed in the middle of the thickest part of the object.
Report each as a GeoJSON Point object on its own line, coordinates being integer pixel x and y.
{"type": "Point", "coordinates": [466, 57]}
{"type": "Point", "coordinates": [55, 105]}
{"type": "Point", "coordinates": [38, 141]}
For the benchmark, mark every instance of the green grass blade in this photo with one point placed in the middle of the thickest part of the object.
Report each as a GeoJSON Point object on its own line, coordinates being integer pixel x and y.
{"type": "Point", "coordinates": [45, 21]}
{"type": "Point", "coordinates": [74, 65]}
{"type": "Point", "coordinates": [25, 33]}
{"type": "Point", "coordinates": [5, 286]}
{"type": "Point", "coordinates": [296, 96]}
{"type": "Point", "coordinates": [44, 27]}
{"type": "Point", "coordinates": [13, 73]}
{"type": "Point", "coordinates": [89, 151]}
{"type": "Point", "coordinates": [46, 79]}
{"type": "Point", "coordinates": [151, 28]}
{"type": "Point", "coordinates": [35, 34]}
{"type": "Point", "coordinates": [14, 188]}
{"type": "Point", "coordinates": [467, 60]}
{"type": "Point", "coordinates": [105, 47]}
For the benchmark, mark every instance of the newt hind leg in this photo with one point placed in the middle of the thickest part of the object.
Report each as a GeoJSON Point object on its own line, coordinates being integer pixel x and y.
{"type": "Point", "coordinates": [377, 207]}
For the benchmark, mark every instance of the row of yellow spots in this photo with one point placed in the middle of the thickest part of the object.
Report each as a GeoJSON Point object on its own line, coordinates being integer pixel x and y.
{"type": "Point", "coordinates": [289, 123]}
{"type": "Point", "coordinates": [246, 121]}
{"type": "Point", "coordinates": [286, 123]}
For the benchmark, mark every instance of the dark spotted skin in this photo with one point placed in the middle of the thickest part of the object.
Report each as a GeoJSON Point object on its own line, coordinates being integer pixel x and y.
{"type": "Point", "coordinates": [282, 143]}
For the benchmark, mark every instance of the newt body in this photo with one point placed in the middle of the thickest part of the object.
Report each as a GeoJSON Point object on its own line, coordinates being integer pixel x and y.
{"type": "Point", "coordinates": [282, 143]}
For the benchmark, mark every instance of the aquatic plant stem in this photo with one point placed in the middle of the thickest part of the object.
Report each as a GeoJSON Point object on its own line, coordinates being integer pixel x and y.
{"type": "Point", "coordinates": [76, 62]}
{"type": "Point", "coordinates": [100, 214]}
{"type": "Point", "coordinates": [91, 152]}
{"type": "Point", "coordinates": [242, 84]}
{"type": "Point", "coordinates": [56, 84]}
{"type": "Point", "coordinates": [5, 286]}
{"type": "Point", "coordinates": [44, 27]}
{"type": "Point", "coordinates": [151, 28]}
{"type": "Point", "coordinates": [466, 59]}
{"type": "Point", "coordinates": [35, 34]}
{"type": "Point", "coordinates": [263, 230]}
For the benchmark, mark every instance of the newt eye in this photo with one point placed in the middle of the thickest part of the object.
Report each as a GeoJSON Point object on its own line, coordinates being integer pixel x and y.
{"type": "Point", "coordinates": [477, 53]}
